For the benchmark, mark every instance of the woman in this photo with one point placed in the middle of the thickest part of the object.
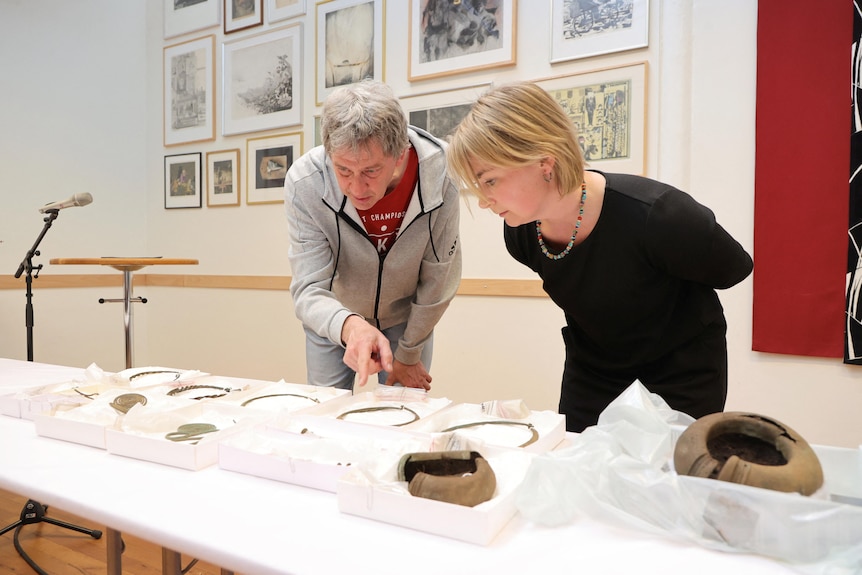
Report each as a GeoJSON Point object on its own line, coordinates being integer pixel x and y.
{"type": "Point", "coordinates": [633, 263]}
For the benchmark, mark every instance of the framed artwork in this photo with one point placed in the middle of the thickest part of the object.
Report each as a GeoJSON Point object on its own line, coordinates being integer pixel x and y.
{"type": "Point", "coordinates": [183, 181]}
{"type": "Point", "coordinates": [455, 37]}
{"type": "Point", "coordinates": [182, 16]}
{"type": "Point", "coordinates": [350, 43]}
{"type": "Point", "coordinates": [268, 159]}
{"type": "Point", "coordinates": [223, 178]}
{"type": "Point", "coordinates": [242, 14]}
{"type": "Point", "coordinates": [317, 136]}
{"type": "Point", "coordinates": [440, 112]}
{"type": "Point", "coordinates": [605, 28]}
{"type": "Point", "coordinates": [262, 81]}
{"type": "Point", "coordinates": [189, 91]}
{"type": "Point", "coordinates": [608, 108]}
{"type": "Point", "coordinates": [277, 10]}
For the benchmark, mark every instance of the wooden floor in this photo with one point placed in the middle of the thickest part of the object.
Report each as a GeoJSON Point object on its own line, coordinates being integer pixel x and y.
{"type": "Point", "coordinates": [60, 551]}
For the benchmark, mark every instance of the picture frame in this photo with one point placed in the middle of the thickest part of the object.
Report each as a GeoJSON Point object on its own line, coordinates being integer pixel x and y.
{"type": "Point", "coordinates": [184, 16]}
{"type": "Point", "coordinates": [278, 10]}
{"type": "Point", "coordinates": [440, 112]}
{"type": "Point", "coordinates": [611, 27]}
{"type": "Point", "coordinates": [608, 108]}
{"type": "Point", "coordinates": [242, 14]}
{"type": "Point", "coordinates": [189, 91]}
{"type": "Point", "coordinates": [441, 44]}
{"type": "Point", "coordinates": [316, 134]}
{"type": "Point", "coordinates": [268, 159]}
{"type": "Point", "coordinates": [183, 181]}
{"type": "Point", "coordinates": [262, 81]}
{"type": "Point", "coordinates": [223, 178]}
{"type": "Point", "coordinates": [350, 43]}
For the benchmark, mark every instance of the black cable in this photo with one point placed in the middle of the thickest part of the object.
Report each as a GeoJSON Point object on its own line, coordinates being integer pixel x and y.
{"type": "Point", "coordinates": [41, 571]}
{"type": "Point", "coordinates": [23, 554]}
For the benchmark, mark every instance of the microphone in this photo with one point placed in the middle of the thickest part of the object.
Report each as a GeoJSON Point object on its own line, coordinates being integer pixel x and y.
{"type": "Point", "coordinates": [76, 200]}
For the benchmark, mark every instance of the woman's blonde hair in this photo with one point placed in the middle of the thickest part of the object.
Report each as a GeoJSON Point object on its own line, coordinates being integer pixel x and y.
{"type": "Point", "coordinates": [514, 125]}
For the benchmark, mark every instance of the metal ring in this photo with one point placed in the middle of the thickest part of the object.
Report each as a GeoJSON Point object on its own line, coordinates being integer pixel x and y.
{"type": "Point", "coordinates": [247, 401]}
{"type": "Point", "coordinates": [530, 426]}
{"type": "Point", "coordinates": [383, 408]}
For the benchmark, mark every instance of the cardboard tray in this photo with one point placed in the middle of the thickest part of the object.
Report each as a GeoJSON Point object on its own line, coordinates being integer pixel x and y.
{"type": "Point", "coordinates": [387, 500]}
{"type": "Point", "coordinates": [314, 452]}
{"type": "Point", "coordinates": [142, 436]}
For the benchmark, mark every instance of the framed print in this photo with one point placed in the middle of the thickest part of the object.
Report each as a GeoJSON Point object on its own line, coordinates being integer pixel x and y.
{"type": "Point", "coordinates": [183, 181]}
{"type": "Point", "coordinates": [262, 81]}
{"type": "Point", "coordinates": [189, 92]}
{"type": "Point", "coordinates": [242, 14]}
{"type": "Point", "coordinates": [182, 16]}
{"type": "Point", "coordinates": [604, 28]}
{"type": "Point", "coordinates": [608, 108]}
{"type": "Point", "coordinates": [317, 136]}
{"type": "Point", "coordinates": [223, 178]}
{"type": "Point", "coordinates": [268, 159]}
{"type": "Point", "coordinates": [277, 10]}
{"type": "Point", "coordinates": [440, 112]}
{"type": "Point", "coordinates": [455, 37]}
{"type": "Point", "coordinates": [350, 43]}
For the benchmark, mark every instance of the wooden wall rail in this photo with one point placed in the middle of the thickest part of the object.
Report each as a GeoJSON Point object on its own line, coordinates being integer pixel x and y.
{"type": "Point", "coordinates": [485, 287]}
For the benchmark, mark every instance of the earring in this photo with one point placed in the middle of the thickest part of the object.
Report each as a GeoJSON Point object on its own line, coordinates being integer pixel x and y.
{"type": "Point", "coordinates": [548, 176]}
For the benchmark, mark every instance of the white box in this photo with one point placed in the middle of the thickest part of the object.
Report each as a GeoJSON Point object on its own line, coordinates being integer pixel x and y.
{"type": "Point", "coordinates": [52, 424]}
{"type": "Point", "coordinates": [549, 425]}
{"type": "Point", "coordinates": [386, 499]}
{"type": "Point", "coordinates": [842, 472]}
{"type": "Point", "coordinates": [27, 402]}
{"type": "Point", "coordinates": [314, 452]}
{"type": "Point", "coordinates": [141, 435]}
{"type": "Point", "coordinates": [84, 420]}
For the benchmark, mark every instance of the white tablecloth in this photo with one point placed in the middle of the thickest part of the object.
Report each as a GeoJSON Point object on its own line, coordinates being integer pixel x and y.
{"type": "Point", "coordinates": [257, 526]}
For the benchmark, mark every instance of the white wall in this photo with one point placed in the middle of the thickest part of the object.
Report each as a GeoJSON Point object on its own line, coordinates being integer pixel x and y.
{"type": "Point", "coordinates": [81, 95]}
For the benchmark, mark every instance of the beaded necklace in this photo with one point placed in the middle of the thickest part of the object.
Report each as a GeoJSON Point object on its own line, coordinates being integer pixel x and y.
{"type": "Point", "coordinates": [571, 243]}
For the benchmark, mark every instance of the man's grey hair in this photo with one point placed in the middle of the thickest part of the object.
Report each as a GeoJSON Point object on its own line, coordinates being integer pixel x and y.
{"type": "Point", "coordinates": [358, 114]}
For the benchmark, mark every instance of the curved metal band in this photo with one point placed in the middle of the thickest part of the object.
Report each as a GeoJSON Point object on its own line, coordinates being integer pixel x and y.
{"type": "Point", "coordinates": [534, 432]}
{"type": "Point", "coordinates": [383, 408]}
{"type": "Point", "coordinates": [178, 390]}
{"type": "Point", "coordinates": [247, 401]}
{"type": "Point", "coordinates": [155, 372]}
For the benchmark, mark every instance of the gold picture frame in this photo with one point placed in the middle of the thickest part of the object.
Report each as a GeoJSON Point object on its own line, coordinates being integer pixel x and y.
{"type": "Point", "coordinates": [267, 160]}
{"type": "Point", "coordinates": [189, 91]}
{"type": "Point", "coordinates": [223, 178]}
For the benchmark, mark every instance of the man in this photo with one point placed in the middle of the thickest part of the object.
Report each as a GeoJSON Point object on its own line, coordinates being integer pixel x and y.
{"type": "Point", "coordinates": [373, 223]}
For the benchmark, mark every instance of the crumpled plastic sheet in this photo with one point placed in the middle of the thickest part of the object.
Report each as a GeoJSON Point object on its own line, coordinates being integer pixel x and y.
{"type": "Point", "coordinates": [620, 471]}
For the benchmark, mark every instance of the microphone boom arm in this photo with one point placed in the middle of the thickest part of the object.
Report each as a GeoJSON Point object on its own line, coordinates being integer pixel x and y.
{"type": "Point", "coordinates": [27, 266]}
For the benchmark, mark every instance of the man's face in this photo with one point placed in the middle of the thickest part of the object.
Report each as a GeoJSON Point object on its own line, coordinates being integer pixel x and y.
{"type": "Point", "coordinates": [366, 175]}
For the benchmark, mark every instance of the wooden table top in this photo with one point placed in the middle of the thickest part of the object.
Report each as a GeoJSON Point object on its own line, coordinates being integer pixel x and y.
{"type": "Point", "coordinates": [125, 264]}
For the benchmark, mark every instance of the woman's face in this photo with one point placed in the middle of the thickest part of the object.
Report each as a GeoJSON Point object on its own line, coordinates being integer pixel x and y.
{"type": "Point", "coordinates": [515, 194]}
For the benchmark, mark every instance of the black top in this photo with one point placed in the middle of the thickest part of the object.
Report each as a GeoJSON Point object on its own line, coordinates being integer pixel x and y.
{"type": "Point", "coordinates": [644, 280]}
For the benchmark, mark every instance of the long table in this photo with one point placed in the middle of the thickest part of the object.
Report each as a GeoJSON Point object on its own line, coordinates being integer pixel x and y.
{"type": "Point", "coordinates": [257, 526]}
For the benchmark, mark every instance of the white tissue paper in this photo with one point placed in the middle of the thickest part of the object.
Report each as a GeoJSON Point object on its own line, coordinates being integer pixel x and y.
{"type": "Point", "coordinates": [620, 471]}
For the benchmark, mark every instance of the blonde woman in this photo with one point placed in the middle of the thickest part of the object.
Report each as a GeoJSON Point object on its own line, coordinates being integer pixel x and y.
{"type": "Point", "coordinates": [633, 263]}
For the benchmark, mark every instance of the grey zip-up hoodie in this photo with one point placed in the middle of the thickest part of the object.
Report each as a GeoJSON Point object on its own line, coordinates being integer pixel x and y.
{"type": "Point", "coordinates": [337, 270]}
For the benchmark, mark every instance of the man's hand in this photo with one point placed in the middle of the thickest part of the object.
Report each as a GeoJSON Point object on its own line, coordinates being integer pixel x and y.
{"type": "Point", "coordinates": [409, 375]}
{"type": "Point", "coordinates": [368, 350]}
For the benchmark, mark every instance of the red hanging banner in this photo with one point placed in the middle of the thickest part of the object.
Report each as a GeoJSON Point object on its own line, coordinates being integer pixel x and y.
{"type": "Point", "coordinates": [801, 176]}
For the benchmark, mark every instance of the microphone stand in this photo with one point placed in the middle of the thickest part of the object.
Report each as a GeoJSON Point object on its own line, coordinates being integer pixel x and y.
{"type": "Point", "coordinates": [27, 266]}
{"type": "Point", "coordinates": [33, 511]}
